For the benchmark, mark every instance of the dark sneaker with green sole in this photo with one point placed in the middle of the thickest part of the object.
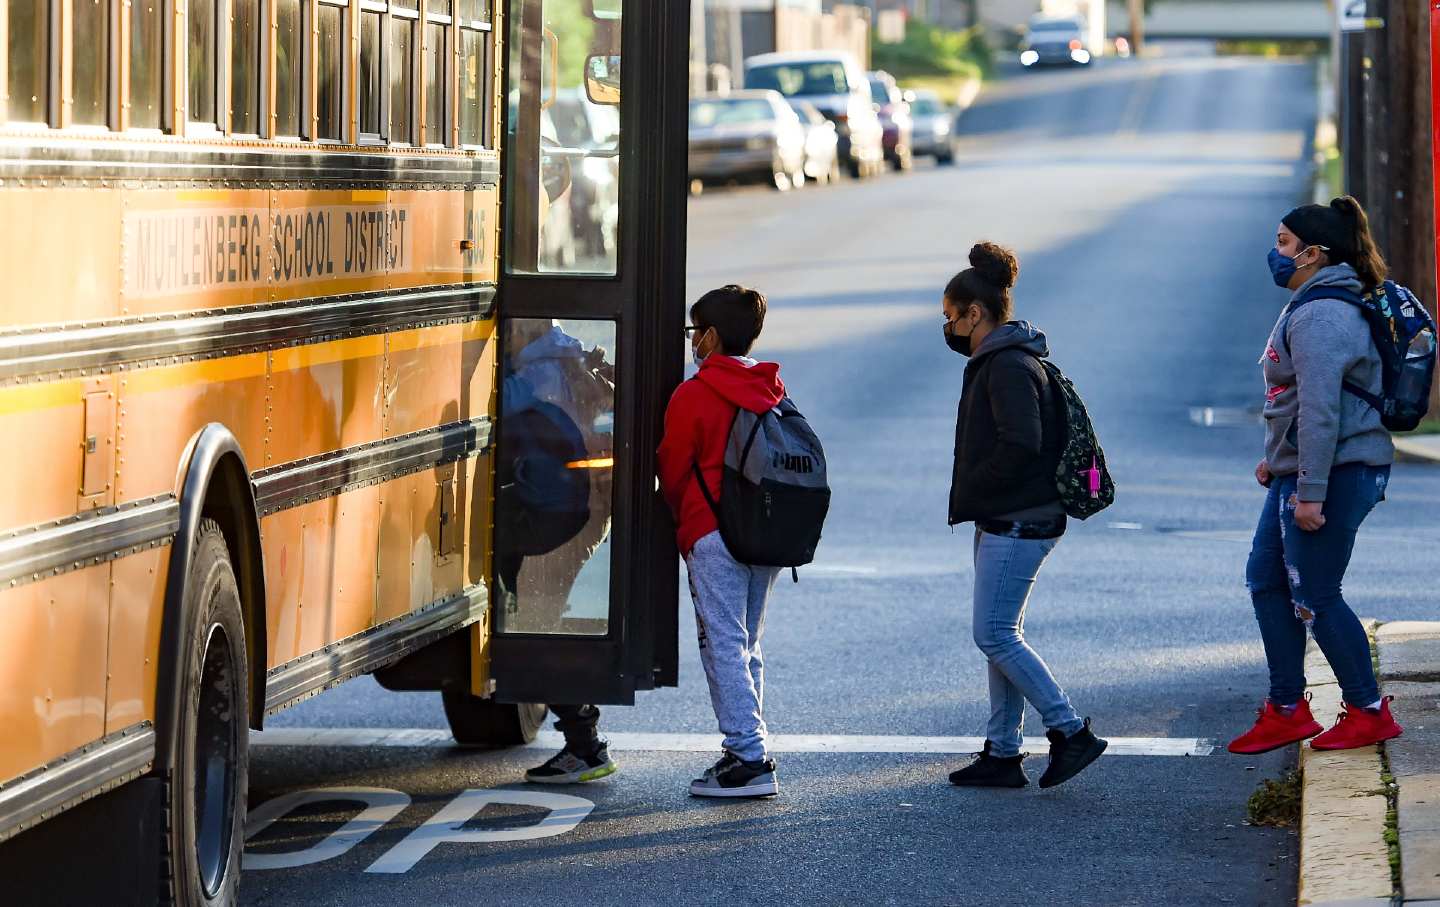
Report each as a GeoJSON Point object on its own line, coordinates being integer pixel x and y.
{"type": "Point", "coordinates": [570, 767]}
{"type": "Point", "coordinates": [992, 771]}
{"type": "Point", "coordinates": [1069, 756]}
{"type": "Point", "coordinates": [734, 777]}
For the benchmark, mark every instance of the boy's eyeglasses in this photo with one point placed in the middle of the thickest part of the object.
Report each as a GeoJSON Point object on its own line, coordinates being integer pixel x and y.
{"type": "Point", "coordinates": [692, 329]}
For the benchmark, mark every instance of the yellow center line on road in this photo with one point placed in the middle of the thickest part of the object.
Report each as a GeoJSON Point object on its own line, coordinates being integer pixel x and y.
{"type": "Point", "coordinates": [708, 743]}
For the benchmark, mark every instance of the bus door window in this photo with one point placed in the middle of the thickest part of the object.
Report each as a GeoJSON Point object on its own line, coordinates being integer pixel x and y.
{"type": "Point", "coordinates": [555, 461]}
{"type": "Point", "coordinates": [563, 154]}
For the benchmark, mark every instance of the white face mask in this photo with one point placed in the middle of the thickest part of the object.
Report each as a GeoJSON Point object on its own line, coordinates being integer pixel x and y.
{"type": "Point", "coordinates": [696, 357]}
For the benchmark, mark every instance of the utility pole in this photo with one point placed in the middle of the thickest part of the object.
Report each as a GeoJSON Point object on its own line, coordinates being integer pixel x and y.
{"type": "Point", "coordinates": [1137, 26]}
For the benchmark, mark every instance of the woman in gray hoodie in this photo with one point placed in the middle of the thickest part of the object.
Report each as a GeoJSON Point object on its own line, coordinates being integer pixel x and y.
{"type": "Point", "coordinates": [1327, 463]}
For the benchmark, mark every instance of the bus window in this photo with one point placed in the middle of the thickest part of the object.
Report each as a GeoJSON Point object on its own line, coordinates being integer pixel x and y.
{"type": "Point", "coordinates": [474, 63]}
{"type": "Point", "coordinates": [329, 74]}
{"type": "Point", "coordinates": [90, 71]}
{"type": "Point", "coordinates": [288, 67]}
{"type": "Point", "coordinates": [147, 63]}
{"type": "Point", "coordinates": [200, 60]}
{"type": "Point", "coordinates": [368, 81]}
{"type": "Point", "coordinates": [27, 61]}
{"type": "Point", "coordinates": [435, 94]}
{"type": "Point", "coordinates": [402, 68]}
{"type": "Point", "coordinates": [245, 67]}
{"type": "Point", "coordinates": [554, 467]}
{"type": "Point", "coordinates": [563, 184]}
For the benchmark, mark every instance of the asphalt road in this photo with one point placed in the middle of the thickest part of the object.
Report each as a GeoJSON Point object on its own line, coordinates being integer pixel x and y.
{"type": "Point", "coordinates": [1141, 198]}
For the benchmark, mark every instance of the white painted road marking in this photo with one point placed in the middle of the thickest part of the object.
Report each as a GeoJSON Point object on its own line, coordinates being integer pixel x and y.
{"type": "Point", "coordinates": [381, 805]}
{"type": "Point", "coordinates": [446, 826]}
{"type": "Point", "coordinates": [709, 743]}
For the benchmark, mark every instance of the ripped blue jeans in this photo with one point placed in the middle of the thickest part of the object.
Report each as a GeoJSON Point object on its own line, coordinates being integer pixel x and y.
{"type": "Point", "coordinates": [1295, 576]}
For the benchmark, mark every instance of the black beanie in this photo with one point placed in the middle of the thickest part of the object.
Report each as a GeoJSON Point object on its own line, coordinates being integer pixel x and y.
{"type": "Point", "coordinates": [1324, 225]}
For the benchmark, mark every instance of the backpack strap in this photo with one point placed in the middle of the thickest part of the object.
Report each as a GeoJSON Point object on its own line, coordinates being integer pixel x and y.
{"type": "Point", "coordinates": [1344, 295]}
{"type": "Point", "coordinates": [705, 490]}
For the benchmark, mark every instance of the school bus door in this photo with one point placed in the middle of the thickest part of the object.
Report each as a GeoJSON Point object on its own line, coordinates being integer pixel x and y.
{"type": "Point", "coordinates": [591, 331]}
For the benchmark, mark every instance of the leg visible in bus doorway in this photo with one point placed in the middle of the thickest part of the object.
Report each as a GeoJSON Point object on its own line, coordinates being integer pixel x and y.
{"type": "Point", "coordinates": [586, 755]}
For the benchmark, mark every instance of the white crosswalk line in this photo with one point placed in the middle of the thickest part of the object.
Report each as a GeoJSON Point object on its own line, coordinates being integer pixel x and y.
{"type": "Point", "coordinates": [706, 743]}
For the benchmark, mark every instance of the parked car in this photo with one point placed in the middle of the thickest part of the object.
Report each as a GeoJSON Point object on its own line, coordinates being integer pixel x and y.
{"type": "Point", "coordinates": [837, 86]}
{"type": "Point", "coordinates": [746, 134]}
{"type": "Point", "coordinates": [894, 116]}
{"type": "Point", "coordinates": [822, 155]}
{"type": "Point", "coordinates": [593, 131]}
{"type": "Point", "coordinates": [933, 126]}
{"type": "Point", "coordinates": [1054, 40]}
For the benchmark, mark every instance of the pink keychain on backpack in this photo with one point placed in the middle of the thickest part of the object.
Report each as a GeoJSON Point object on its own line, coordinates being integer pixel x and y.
{"type": "Point", "coordinates": [1092, 478]}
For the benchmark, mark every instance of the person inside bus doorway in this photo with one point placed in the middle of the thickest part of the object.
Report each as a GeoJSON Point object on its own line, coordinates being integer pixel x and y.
{"type": "Point", "coordinates": [1009, 436]}
{"type": "Point", "coordinates": [1326, 466]}
{"type": "Point", "coordinates": [551, 517]}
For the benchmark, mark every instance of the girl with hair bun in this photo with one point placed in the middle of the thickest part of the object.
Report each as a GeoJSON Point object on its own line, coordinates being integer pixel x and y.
{"type": "Point", "coordinates": [1327, 464]}
{"type": "Point", "coordinates": [1009, 436]}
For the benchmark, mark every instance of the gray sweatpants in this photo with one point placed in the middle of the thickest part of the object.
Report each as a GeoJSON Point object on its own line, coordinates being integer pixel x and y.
{"type": "Point", "coordinates": [730, 617]}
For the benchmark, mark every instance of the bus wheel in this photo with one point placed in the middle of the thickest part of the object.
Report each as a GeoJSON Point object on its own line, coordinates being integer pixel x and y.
{"type": "Point", "coordinates": [205, 802]}
{"type": "Point", "coordinates": [485, 722]}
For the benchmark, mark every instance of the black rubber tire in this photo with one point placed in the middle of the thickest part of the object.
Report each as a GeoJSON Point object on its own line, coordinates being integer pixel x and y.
{"type": "Point", "coordinates": [485, 722]}
{"type": "Point", "coordinates": [207, 789]}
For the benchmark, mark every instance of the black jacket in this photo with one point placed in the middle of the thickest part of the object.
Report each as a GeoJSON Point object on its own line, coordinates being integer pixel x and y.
{"type": "Point", "coordinates": [1008, 432]}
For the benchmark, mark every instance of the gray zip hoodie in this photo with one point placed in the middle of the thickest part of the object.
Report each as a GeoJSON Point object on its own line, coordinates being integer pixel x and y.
{"type": "Point", "coordinates": [1311, 423]}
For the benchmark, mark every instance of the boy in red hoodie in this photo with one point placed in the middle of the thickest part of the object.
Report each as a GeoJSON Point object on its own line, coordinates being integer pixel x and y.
{"type": "Point", "coordinates": [729, 596]}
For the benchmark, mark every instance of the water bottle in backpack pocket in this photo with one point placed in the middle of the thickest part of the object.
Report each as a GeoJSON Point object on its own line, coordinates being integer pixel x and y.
{"type": "Point", "coordinates": [774, 495]}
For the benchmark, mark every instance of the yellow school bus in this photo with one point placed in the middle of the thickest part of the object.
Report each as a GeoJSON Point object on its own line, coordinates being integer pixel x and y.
{"type": "Point", "coordinates": [335, 338]}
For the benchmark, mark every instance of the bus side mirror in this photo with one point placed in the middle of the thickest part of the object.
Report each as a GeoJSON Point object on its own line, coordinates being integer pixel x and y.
{"type": "Point", "coordinates": [605, 10]}
{"type": "Point", "coordinates": [602, 78]}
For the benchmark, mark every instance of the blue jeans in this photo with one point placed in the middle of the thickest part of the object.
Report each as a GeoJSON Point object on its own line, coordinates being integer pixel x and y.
{"type": "Point", "coordinates": [1294, 578]}
{"type": "Point", "coordinates": [1005, 570]}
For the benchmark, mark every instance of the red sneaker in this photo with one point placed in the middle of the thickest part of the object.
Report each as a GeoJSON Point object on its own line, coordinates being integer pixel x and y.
{"type": "Point", "coordinates": [1274, 729]}
{"type": "Point", "coordinates": [1359, 727]}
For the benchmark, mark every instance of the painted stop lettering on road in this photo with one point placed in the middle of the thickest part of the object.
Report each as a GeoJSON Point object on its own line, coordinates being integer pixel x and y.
{"type": "Point", "coordinates": [381, 805]}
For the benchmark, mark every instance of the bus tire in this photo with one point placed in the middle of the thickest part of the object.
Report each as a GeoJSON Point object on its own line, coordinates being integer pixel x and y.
{"type": "Point", "coordinates": [485, 722]}
{"type": "Point", "coordinates": [207, 787]}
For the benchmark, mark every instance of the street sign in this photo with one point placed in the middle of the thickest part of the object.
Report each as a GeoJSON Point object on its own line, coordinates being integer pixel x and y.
{"type": "Point", "coordinates": [1351, 14]}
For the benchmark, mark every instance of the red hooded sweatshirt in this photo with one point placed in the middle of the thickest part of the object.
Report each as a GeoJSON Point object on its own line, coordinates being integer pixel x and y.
{"type": "Point", "coordinates": [697, 427]}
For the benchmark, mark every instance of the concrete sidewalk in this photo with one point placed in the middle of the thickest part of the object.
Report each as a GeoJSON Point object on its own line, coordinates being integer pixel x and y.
{"type": "Point", "coordinates": [1417, 448]}
{"type": "Point", "coordinates": [1346, 823]}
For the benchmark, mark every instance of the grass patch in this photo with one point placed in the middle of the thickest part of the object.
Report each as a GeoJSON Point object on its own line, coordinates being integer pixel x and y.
{"type": "Point", "coordinates": [1428, 426]}
{"type": "Point", "coordinates": [1269, 49]}
{"type": "Point", "coordinates": [930, 52]}
{"type": "Point", "coordinates": [1276, 802]}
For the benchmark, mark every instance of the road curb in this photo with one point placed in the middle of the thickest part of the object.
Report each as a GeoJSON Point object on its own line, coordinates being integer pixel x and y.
{"type": "Point", "coordinates": [1344, 858]}
{"type": "Point", "coordinates": [1414, 450]}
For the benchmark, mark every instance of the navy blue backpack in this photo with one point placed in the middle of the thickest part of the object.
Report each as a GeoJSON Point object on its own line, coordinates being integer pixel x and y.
{"type": "Point", "coordinates": [1404, 335]}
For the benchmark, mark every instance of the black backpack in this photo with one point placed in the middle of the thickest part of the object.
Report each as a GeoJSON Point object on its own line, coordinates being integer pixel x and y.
{"type": "Point", "coordinates": [1404, 336]}
{"type": "Point", "coordinates": [1081, 476]}
{"type": "Point", "coordinates": [774, 495]}
{"type": "Point", "coordinates": [542, 501]}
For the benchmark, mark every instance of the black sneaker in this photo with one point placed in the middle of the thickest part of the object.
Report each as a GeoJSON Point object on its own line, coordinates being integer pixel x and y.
{"type": "Point", "coordinates": [735, 777]}
{"type": "Point", "coordinates": [992, 771]}
{"type": "Point", "coordinates": [571, 767]}
{"type": "Point", "coordinates": [1070, 755]}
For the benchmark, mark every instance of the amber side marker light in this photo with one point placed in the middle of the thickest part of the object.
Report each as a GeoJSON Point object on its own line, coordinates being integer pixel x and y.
{"type": "Point", "coordinates": [597, 463]}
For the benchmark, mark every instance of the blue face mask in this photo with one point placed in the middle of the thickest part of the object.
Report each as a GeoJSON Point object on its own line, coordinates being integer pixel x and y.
{"type": "Point", "coordinates": [1282, 268]}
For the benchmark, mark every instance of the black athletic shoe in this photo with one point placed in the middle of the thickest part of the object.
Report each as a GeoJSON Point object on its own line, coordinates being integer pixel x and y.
{"type": "Point", "coordinates": [1070, 755]}
{"type": "Point", "coordinates": [571, 767]}
{"type": "Point", "coordinates": [734, 777]}
{"type": "Point", "coordinates": [992, 771]}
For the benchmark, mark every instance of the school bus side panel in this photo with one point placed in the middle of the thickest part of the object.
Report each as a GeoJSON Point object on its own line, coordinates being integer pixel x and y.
{"type": "Point", "coordinates": [62, 259]}
{"type": "Point", "coordinates": [137, 603]}
{"type": "Point", "coordinates": [52, 667]}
